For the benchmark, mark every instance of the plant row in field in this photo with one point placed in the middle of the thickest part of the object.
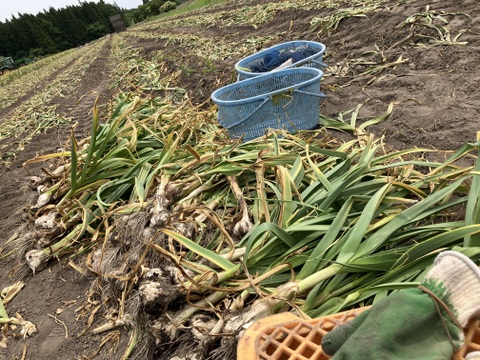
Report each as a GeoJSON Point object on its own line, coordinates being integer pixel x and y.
{"type": "Point", "coordinates": [37, 114]}
{"type": "Point", "coordinates": [427, 28]}
{"type": "Point", "coordinates": [35, 76]}
{"type": "Point", "coordinates": [34, 66]}
{"type": "Point", "coordinates": [255, 15]}
{"type": "Point", "coordinates": [206, 47]}
{"type": "Point", "coordinates": [171, 211]}
{"type": "Point", "coordinates": [20, 82]}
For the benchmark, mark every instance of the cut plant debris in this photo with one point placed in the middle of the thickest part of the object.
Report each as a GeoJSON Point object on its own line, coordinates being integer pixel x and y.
{"type": "Point", "coordinates": [205, 230]}
{"type": "Point", "coordinates": [37, 115]}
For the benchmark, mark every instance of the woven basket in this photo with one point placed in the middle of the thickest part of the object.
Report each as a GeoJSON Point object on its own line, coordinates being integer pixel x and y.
{"type": "Point", "coordinates": [285, 99]}
{"type": "Point", "coordinates": [244, 66]}
{"type": "Point", "coordinates": [287, 337]}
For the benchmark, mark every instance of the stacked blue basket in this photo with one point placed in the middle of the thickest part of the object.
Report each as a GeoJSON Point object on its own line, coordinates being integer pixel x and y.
{"type": "Point", "coordinates": [304, 54]}
{"type": "Point", "coordinates": [280, 99]}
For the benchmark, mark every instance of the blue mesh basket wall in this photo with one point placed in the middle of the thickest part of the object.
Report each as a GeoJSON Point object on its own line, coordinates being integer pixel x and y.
{"type": "Point", "coordinates": [284, 99]}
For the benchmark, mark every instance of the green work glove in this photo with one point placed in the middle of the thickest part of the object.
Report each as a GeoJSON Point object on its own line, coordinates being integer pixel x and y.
{"type": "Point", "coordinates": [423, 323]}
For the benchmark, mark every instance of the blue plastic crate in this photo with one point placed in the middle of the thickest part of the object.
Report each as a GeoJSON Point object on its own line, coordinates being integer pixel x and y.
{"type": "Point", "coordinates": [304, 54]}
{"type": "Point", "coordinates": [284, 99]}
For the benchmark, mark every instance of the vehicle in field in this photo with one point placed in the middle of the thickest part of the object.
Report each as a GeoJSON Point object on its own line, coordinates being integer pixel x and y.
{"type": "Point", "coordinates": [6, 64]}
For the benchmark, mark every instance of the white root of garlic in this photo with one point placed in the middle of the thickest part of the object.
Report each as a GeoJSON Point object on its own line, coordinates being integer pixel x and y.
{"type": "Point", "coordinates": [36, 259]}
{"type": "Point", "coordinates": [126, 320]}
{"type": "Point", "coordinates": [46, 221]}
{"type": "Point", "coordinates": [244, 225]}
{"type": "Point", "coordinates": [43, 200]}
{"type": "Point", "coordinates": [59, 170]}
{"type": "Point", "coordinates": [35, 181]}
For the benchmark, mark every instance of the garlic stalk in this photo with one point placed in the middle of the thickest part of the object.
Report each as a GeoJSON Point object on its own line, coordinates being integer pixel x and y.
{"type": "Point", "coordinates": [244, 225]}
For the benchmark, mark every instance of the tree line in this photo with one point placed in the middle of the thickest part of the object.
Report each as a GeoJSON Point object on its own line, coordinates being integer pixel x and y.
{"type": "Point", "coordinates": [25, 37]}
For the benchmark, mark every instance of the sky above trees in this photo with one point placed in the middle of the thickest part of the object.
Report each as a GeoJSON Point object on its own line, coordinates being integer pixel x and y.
{"type": "Point", "coordinates": [9, 8]}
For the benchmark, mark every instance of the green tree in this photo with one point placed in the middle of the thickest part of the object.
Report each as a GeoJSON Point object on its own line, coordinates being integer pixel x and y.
{"type": "Point", "coordinates": [142, 13]}
{"type": "Point", "coordinates": [168, 6]}
{"type": "Point", "coordinates": [56, 29]}
{"type": "Point", "coordinates": [44, 34]}
{"type": "Point", "coordinates": [96, 30]}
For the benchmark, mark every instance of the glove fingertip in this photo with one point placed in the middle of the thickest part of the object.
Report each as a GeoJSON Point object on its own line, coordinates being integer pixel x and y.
{"type": "Point", "coordinates": [326, 346]}
{"type": "Point", "coordinates": [473, 356]}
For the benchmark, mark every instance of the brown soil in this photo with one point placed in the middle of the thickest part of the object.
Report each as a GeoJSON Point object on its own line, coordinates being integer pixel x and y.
{"type": "Point", "coordinates": [436, 105]}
